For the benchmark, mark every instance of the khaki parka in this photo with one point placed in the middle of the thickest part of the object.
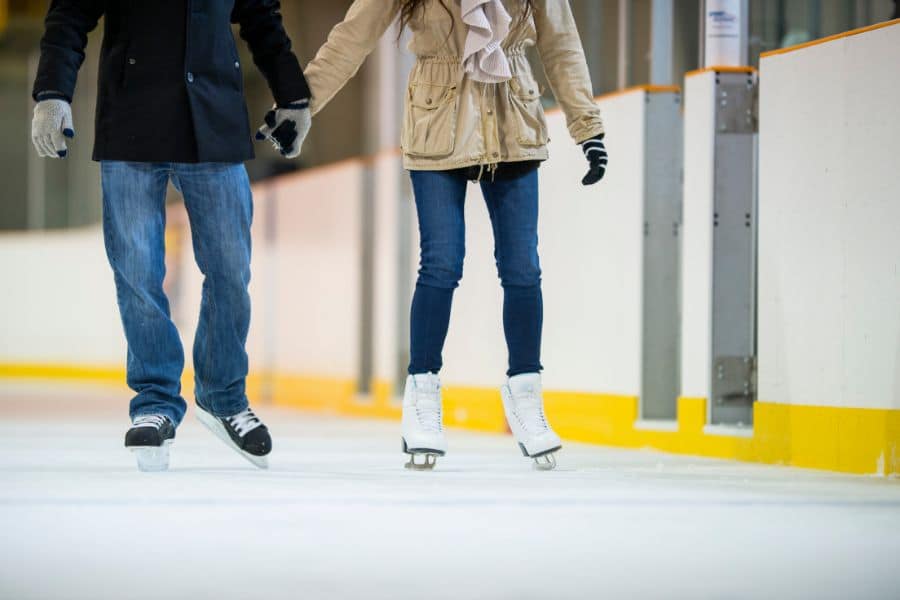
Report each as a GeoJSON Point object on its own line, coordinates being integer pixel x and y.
{"type": "Point", "coordinates": [449, 120]}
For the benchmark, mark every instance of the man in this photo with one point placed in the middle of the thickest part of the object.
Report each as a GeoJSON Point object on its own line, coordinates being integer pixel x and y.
{"type": "Point", "coordinates": [170, 106]}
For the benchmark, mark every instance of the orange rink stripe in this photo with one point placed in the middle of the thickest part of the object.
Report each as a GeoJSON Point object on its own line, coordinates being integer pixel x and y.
{"type": "Point", "coordinates": [720, 69]}
{"type": "Point", "coordinates": [830, 38]}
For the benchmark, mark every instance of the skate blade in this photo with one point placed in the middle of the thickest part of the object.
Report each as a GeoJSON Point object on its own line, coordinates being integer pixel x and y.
{"type": "Point", "coordinates": [152, 459]}
{"type": "Point", "coordinates": [214, 426]}
{"type": "Point", "coordinates": [543, 461]}
{"type": "Point", "coordinates": [430, 460]}
{"type": "Point", "coordinates": [430, 457]}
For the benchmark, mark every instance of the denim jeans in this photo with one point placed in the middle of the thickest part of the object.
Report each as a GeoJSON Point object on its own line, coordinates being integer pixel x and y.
{"type": "Point", "coordinates": [220, 209]}
{"type": "Point", "coordinates": [513, 208]}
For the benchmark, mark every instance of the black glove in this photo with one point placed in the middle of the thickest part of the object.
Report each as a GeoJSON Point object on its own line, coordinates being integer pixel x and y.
{"type": "Point", "coordinates": [595, 153]}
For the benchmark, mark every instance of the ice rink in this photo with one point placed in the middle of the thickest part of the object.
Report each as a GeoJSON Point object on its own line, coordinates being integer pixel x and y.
{"type": "Point", "coordinates": [337, 516]}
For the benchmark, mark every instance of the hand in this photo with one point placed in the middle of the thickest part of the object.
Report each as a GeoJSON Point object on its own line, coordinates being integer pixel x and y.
{"type": "Point", "coordinates": [595, 153]}
{"type": "Point", "coordinates": [51, 125]}
{"type": "Point", "coordinates": [286, 127]}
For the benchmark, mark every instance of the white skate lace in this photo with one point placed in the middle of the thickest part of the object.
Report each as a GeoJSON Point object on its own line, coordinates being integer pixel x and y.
{"type": "Point", "coordinates": [155, 421]}
{"type": "Point", "coordinates": [530, 412]}
{"type": "Point", "coordinates": [244, 422]}
{"type": "Point", "coordinates": [429, 412]}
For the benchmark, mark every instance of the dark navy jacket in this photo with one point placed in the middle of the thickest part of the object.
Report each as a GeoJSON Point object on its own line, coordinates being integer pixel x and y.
{"type": "Point", "coordinates": [170, 86]}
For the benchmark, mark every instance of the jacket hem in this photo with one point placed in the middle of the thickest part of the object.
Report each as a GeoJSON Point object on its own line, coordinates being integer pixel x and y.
{"type": "Point", "coordinates": [411, 163]}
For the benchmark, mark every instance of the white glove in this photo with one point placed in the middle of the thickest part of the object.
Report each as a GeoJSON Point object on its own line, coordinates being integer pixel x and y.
{"type": "Point", "coordinates": [287, 127]}
{"type": "Point", "coordinates": [51, 125]}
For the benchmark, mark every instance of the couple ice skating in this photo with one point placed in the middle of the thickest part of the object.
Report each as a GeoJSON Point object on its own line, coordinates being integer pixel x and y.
{"type": "Point", "coordinates": [170, 107]}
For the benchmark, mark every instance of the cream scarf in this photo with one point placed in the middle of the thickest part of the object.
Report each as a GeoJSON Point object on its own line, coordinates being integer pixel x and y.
{"type": "Point", "coordinates": [487, 24]}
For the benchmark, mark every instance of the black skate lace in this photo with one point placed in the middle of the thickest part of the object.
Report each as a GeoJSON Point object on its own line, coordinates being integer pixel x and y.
{"type": "Point", "coordinates": [244, 422]}
{"type": "Point", "coordinates": [156, 421]}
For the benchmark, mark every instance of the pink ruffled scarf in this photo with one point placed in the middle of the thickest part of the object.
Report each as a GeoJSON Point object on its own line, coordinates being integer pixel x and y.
{"type": "Point", "coordinates": [488, 23]}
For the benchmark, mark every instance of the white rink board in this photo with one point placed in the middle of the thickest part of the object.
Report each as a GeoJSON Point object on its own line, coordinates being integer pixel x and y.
{"type": "Point", "coordinates": [590, 247]}
{"type": "Point", "coordinates": [829, 274]}
{"type": "Point", "coordinates": [59, 300]}
{"type": "Point", "coordinates": [697, 238]}
{"type": "Point", "coordinates": [317, 273]}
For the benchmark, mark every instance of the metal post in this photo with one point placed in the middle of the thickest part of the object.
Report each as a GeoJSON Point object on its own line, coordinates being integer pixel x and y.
{"type": "Point", "coordinates": [593, 44]}
{"type": "Point", "coordinates": [370, 141]}
{"type": "Point", "coordinates": [624, 54]}
{"type": "Point", "coordinates": [661, 42]}
{"type": "Point", "coordinates": [726, 32]}
{"type": "Point", "coordinates": [733, 384]}
{"type": "Point", "coordinates": [37, 176]}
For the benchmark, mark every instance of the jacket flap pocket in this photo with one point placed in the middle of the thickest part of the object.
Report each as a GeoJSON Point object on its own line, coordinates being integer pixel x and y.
{"type": "Point", "coordinates": [430, 95]}
{"type": "Point", "coordinates": [524, 89]}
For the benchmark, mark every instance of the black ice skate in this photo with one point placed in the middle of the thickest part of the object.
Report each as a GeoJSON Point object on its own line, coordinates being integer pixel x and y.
{"type": "Point", "coordinates": [149, 439]}
{"type": "Point", "coordinates": [243, 432]}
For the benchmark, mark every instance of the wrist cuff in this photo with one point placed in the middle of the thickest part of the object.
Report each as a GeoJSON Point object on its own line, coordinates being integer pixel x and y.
{"type": "Point", "coordinates": [51, 95]}
{"type": "Point", "coordinates": [296, 104]}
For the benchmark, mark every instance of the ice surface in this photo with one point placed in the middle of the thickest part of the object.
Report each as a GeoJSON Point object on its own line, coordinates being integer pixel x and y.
{"type": "Point", "coordinates": [337, 516]}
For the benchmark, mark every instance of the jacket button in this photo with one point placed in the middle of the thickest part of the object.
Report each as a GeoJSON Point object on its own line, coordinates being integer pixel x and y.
{"type": "Point", "coordinates": [237, 65]}
{"type": "Point", "coordinates": [131, 61]}
{"type": "Point", "coordinates": [428, 101]}
{"type": "Point", "coordinates": [190, 77]}
{"type": "Point", "coordinates": [490, 111]}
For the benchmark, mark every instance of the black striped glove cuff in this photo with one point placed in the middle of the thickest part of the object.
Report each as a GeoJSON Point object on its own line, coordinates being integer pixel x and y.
{"type": "Point", "coordinates": [595, 153]}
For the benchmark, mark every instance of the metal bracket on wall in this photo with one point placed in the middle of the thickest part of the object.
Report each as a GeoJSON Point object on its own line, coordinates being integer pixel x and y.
{"type": "Point", "coordinates": [736, 378]}
{"type": "Point", "coordinates": [736, 104]}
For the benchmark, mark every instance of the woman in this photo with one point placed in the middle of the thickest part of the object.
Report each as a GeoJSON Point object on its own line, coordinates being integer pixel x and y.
{"type": "Point", "coordinates": [473, 112]}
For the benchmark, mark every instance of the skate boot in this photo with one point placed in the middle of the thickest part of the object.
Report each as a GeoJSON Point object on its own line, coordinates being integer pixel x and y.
{"type": "Point", "coordinates": [149, 439]}
{"type": "Point", "coordinates": [243, 432]}
{"type": "Point", "coordinates": [422, 426]}
{"type": "Point", "coordinates": [523, 404]}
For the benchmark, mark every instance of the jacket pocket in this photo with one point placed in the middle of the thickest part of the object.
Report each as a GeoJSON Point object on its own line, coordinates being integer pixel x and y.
{"type": "Point", "coordinates": [528, 113]}
{"type": "Point", "coordinates": [429, 126]}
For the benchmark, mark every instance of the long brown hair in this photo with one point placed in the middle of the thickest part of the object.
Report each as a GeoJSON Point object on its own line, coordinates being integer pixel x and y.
{"type": "Point", "coordinates": [408, 10]}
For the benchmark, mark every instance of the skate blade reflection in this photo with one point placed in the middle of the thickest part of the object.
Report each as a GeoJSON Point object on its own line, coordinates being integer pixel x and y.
{"type": "Point", "coordinates": [152, 459]}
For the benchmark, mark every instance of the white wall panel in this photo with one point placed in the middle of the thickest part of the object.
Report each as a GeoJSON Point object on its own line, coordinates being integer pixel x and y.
{"type": "Point", "coordinates": [317, 272]}
{"type": "Point", "coordinates": [475, 352]}
{"type": "Point", "coordinates": [590, 246]}
{"type": "Point", "coordinates": [830, 223]}
{"type": "Point", "coordinates": [59, 301]}
{"type": "Point", "coordinates": [388, 213]}
{"type": "Point", "coordinates": [696, 254]}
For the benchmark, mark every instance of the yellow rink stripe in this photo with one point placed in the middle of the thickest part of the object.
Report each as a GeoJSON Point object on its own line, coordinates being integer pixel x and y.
{"type": "Point", "coordinates": [850, 440]}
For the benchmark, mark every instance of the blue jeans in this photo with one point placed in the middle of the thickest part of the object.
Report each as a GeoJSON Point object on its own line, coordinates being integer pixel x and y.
{"type": "Point", "coordinates": [220, 208]}
{"type": "Point", "coordinates": [513, 208]}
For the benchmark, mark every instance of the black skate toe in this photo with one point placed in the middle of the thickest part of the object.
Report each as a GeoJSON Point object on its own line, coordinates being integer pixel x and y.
{"type": "Point", "coordinates": [257, 442]}
{"type": "Point", "coordinates": [154, 432]}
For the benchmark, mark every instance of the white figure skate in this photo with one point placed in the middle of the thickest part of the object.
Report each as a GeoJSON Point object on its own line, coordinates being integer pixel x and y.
{"type": "Point", "coordinates": [422, 426]}
{"type": "Point", "coordinates": [523, 404]}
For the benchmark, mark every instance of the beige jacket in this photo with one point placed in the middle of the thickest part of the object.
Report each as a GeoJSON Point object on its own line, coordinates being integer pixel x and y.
{"type": "Point", "coordinates": [450, 121]}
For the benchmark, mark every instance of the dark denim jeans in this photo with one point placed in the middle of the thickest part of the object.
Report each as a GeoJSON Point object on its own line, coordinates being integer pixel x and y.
{"type": "Point", "coordinates": [220, 208]}
{"type": "Point", "coordinates": [513, 208]}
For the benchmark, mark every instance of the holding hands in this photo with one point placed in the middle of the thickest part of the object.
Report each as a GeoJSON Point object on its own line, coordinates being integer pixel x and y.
{"type": "Point", "coordinates": [286, 127]}
{"type": "Point", "coordinates": [51, 125]}
{"type": "Point", "coordinates": [595, 153]}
